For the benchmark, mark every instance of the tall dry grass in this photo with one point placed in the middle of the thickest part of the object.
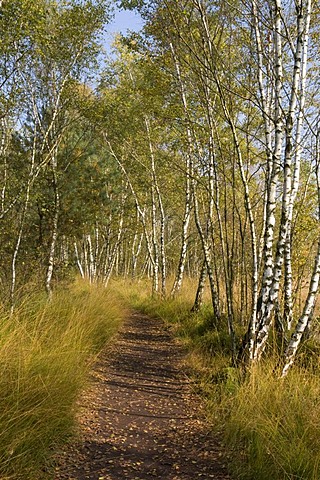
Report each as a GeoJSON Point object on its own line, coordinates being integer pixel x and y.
{"type": "Point", "coordinates": [271, 425]}
{"type": "Point", "coordinates": [45, 353]}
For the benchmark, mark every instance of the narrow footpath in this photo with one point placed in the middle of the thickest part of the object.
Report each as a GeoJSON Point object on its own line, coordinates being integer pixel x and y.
{"type": "Point", "coordinates": [141, 419]}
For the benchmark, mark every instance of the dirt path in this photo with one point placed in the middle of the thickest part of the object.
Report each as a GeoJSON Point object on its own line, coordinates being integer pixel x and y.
{"type": "Point", "coordinates": [141, 420]}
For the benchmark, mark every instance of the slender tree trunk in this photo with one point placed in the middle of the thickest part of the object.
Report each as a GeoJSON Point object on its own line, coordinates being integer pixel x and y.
{"type": "Point", "coordinates": [155, 251]}
{"type": "Point", "coordinates": [137, 204]}
{"type": "Point", "coordinates": [78, 259]}
{"type": "Point", "coordinates": [156, 192]}
{"type": "Point", "coordinates": [289, 186]}
{"type": "Point", "coordinates": [308, 309]}
{"type": "Point", "coordinates": [306, 316]}
{"type": "Point", "coordinates": [135, 249]}
{"type": "Point", "coordinates": [85, 258]}
{"type": "Point", "coordinates": [200, 289]}
{"type": "Point", "coordinates": [3, 155]}
{"type": "Point", "coordinates": [91, 259]}
{"type": "Point", "coordinates": [54, 228]}
{"type": "Point", "coordinates": [188, 196]}
{"type": "Point", "coordinates": [207, 255]}
{"type": "Point", "coordinates": [115, 251]}
{"type": "Point", "coordinates": [163, 250]}
{"type": "Point", "coordinates": [184, 238]}
{"type": "Point", "coordinates": [288, 302]}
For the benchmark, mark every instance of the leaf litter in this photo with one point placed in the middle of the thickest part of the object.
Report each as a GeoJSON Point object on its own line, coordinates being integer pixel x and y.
{"type": "Point", "coordinates": [140, 418]}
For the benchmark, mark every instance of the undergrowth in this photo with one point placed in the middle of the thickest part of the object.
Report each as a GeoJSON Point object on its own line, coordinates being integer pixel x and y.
{"type": "Point", "coordinates": [46, 350]}
{"type": "Point", "coordinates": [271, 425]}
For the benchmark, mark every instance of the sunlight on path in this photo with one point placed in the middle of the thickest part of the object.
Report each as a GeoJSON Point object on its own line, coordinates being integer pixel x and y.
{"type": "Point", "coordinates": [141, 419]}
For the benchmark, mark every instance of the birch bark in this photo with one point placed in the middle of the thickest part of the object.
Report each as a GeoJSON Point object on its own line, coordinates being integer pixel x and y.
{"type": "Point", "coordinates": [22, 222]}
{"type": "Point", "coordinates": [308, 309]}
{"type": "Point", "coordinates": [115, 250]}
{"type": "Point", "coordinates": [191, 140]}
{"type": "Point", "coordinates": [188, 171]}
{"type": "Point", "coordinates": [79, 264]}
{"type": "Point", "coordinates": [290, 187]}
{"type": "Point", "coordinates": [273, 178]}
{"type": "Point", "coordinates": [54, 227]}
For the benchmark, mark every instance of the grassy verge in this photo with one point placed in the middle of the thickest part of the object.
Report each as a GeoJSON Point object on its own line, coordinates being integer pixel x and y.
{"type": "Point", "coordinates": [271, 425]}
{"type": "Point", "coordinates": [45, 353]}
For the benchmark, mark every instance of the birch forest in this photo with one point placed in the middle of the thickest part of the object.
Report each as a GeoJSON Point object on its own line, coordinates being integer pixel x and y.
{"type": "Point", "coordinates": [189, 155]}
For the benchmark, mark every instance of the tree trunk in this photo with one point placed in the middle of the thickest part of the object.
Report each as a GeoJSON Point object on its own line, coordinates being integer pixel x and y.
{"type": "Point", "coordinates": [54, 229]}
{"type": "Point", "coordinates": [200, 289]}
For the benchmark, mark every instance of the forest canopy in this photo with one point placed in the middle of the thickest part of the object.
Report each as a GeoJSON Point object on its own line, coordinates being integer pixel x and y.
{"type": "Point", "coordinates": [192, 151]}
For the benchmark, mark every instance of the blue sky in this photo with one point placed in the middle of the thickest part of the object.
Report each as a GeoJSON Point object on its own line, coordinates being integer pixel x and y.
{"type": "Point", "coordinates": [123, 20]}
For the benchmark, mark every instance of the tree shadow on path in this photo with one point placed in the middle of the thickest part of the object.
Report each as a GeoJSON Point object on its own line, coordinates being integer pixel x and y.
{"type": "Point", "coordinates": [141, 418]}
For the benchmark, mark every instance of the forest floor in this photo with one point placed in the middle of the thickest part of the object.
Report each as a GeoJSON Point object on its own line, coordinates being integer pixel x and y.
{"type": "Point", "coordinates": [141, 417]}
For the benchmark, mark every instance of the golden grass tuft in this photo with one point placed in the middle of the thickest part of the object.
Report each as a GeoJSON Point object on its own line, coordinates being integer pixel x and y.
{"type": "Point", "coordinates": [45, 353]}
{"type": "Point", "coordinates": [271, 425]}
{"type": "Point", "coordinates": [274, 425]}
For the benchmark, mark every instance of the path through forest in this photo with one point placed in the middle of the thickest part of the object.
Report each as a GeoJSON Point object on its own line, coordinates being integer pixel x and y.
{"type": "Point", "coordinates": [141, 419]}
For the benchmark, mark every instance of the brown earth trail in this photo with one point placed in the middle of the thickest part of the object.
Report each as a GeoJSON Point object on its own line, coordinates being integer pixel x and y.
{"type": "Point", "coordinates": [141, 419]}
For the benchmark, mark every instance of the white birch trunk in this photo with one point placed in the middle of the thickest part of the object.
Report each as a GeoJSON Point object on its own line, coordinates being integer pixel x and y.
{"type": "Point", "coordinates": [263, 313]}
{"type": "Point", "coordinates": [155, 276]}
{"type": "Point", "coordinates": [85, 257]}
{"type": "Point", "coordinates": [3, 155]}
{"type": "Point", "coordinates": [200, 289]}
{"type": "Point", "coordinates": [289, 190]}
{"type": "Point", "coordinates": [115, 251]}
{"type": "Point", "coordinates": [135, 249]}
{"type": "Point", "coordinates": [154, 191]}
{"type": "Point", "coordinates": [54, 230]}
{"type": "Point", "coordinates": [306, 316]}
{"type": "Point", "coordinates": [266, 110]}
{"type": "Point", "coordinates": [22, 222]}
{"type": "Point", "coordinates": [91, 259]}
{"type": "Point", "coordinates": [78, 259]}
{"type": "Point", "coordinates": [187, 210]}
{"type": "Point", "coordinates": [301, 57]}
{"type": "Point", "coordinates": [184, 239]}
{"type": "Point", "coordinates": [137, 204]}
{"type": "Point", "coordinates": [287, 300]}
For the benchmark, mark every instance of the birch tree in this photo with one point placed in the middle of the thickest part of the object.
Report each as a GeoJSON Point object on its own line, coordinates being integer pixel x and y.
{"type": "Point", "coordinates": [289, 117]}
{"type": "Point", "coordinates": [242, 75]}
{"type": "Point", "coordinates": [42, 54]}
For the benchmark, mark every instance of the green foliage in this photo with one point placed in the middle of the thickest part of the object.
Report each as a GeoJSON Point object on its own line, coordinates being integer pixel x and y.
{"type": "Point", "coordinates": [48, 49]}
{"type": "Point", "coordinates": [131, 4]}
{"type": "Point", "coordinates": [46, 350]}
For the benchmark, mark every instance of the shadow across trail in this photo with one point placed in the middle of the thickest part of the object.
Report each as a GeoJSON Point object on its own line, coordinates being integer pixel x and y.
{"type": "Point", "coordinates": [141, 419]}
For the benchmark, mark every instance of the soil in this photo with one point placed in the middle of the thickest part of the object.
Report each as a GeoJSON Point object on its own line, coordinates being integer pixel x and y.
{"type": "Point", "coordinates": [141, 418]}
